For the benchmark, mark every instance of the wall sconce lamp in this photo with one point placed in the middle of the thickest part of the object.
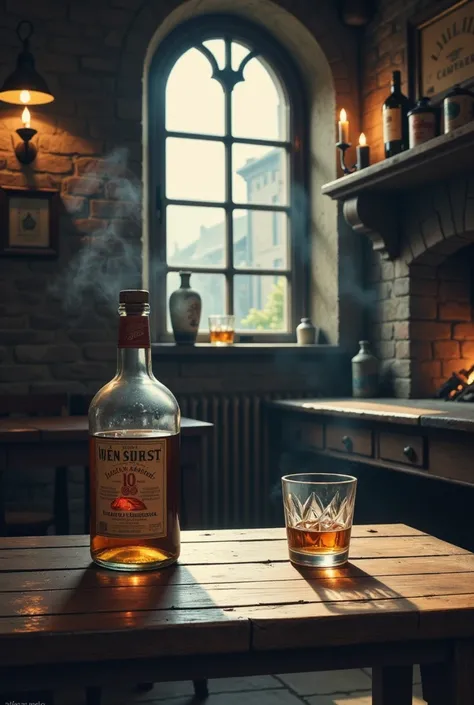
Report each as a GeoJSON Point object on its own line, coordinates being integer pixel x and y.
{"type": "Point", "coordinates": [25, 86]}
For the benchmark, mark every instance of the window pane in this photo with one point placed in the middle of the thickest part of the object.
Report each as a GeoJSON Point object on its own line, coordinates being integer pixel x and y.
{"type": "Point", "coordinates": [261, 302]}
{"type": "Point", "coordinates": [259, 107]}
{"type": "Point", "coordinates": [238, 54]}
{"type": "Point", "coordinates": [195, 169]}
{"type": "Point", "coordinates": [217, 48]}
{"type": "Point", "coordinates": [195, 237]}
{"type": "Point", "coordinates": [212, 290]}
{"type": "Point", "coordinates": [259, 174]}
{"type": "Point", "coordinates": [194, 100]}
{"type": "Point", "coordinates": [260, 239]}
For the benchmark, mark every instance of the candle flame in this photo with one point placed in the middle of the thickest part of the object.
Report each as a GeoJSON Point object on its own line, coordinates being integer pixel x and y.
{"type": "Point", "coordinates": [25, 96]}
{"type": "Point", "coordinates": [343, 116]}
{"type": "Point", "coordinates": [362, 140]}
{"type": "Point", "coordinates": [26, 117]}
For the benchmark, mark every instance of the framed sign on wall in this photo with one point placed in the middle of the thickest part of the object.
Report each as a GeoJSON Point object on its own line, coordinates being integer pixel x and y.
{"type": "Point", "coordinates": [441, 49]}
{"type": "Point", "coordinates": [29, 222]}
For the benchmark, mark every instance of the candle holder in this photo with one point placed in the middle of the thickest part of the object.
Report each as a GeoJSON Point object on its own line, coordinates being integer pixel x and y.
{"type": "Point", "coordinates": [26, 151]}
{"type": "Point", "coordinates": [344, 146]}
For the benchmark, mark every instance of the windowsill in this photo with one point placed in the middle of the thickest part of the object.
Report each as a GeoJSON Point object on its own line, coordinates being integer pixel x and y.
{"type": "Point", "coordinates": [242, 349]}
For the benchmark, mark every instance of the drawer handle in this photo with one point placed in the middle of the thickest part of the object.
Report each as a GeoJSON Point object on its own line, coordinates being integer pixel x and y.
{"type": "Point", "coordinates": [347, 443]}
{"type": "Point", "coordinates": [410, 453]}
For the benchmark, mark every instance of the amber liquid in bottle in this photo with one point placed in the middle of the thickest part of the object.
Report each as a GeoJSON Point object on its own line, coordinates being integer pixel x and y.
{"type": "Point", "coordinates": [134, 424]}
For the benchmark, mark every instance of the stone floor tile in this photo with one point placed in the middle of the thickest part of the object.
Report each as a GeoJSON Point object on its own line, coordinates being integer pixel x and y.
{"type": "Point", "coordinates": [279, 696]}
{"type": "Point", "coordinates": [327, 682]}
{"type": "Point", "coordinates": [349, 699]}
{"type": "Point", "coordinates": [216, 685]}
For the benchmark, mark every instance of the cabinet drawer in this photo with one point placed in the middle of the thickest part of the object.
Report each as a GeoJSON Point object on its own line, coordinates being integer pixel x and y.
{"type": "Point", "coordinates": [452, 458]}
{"type": "Point", "coordinates": [304, 433]}
{"type": "Point", "coordinates": [400, 448]}
{"type": "Point", "coordinates": [347, 439]}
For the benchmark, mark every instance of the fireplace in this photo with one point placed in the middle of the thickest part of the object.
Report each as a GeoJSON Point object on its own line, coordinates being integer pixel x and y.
{"type": "Point", "coordinates": [442, 325]}
{"type": "Point", "coordinates": [417, 209]}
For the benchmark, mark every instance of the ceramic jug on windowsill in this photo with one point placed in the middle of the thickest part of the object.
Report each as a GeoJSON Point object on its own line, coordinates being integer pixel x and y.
{"type": "Point", "coordinates": [185, 311]}
{"type": "Point", "coordinates": [305, 332]}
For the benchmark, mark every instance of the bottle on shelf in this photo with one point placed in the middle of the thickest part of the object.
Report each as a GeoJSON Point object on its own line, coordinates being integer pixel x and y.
{"type": "Point", "coordinates": [422, 122]}
{"type": "Point", "coordinates": [458, 108]}
{"type": "Point", "coordinates": [395, 118]}
{"type": "Point", "coordinates": [134, 430]}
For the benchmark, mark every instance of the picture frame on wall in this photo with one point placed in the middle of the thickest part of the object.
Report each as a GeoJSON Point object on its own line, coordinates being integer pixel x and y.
{"type": "Point", "coordinates": [441, 49]}
{"type": "Point", "coordinates": [29, 222]}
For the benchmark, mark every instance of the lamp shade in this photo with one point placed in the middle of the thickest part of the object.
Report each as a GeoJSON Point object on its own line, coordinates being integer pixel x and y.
{"type": "Point", "coordinates": [25, 84]}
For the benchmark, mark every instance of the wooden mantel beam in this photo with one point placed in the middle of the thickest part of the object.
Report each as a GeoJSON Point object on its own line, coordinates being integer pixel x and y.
{"type": "Point", "coordinates": [372, 197]}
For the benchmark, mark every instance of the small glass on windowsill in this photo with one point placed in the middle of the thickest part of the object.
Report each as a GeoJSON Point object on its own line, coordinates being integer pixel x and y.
{"type": "Point", "coordinates": [222, 330]}
{"type": "Point", "coordinates": [319, 510]}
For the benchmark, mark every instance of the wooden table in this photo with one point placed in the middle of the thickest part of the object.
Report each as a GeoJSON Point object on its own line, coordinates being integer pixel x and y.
{"type": "Point", "coordinates": [63, 441]}
{"type": "Point", "coordinates": [233, 606]}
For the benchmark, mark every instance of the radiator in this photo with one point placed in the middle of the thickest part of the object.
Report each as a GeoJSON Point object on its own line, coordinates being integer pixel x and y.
{"type": "Point", "coordinates": [236, 466]}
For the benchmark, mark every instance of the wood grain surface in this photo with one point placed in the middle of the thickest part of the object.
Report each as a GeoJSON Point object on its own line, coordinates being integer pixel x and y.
{"type": "Point", "coordinates": [231, 592]}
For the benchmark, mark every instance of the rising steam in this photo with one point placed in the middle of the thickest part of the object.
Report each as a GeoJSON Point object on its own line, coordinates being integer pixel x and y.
{"type": "Point", "coordinates": [109, 258]}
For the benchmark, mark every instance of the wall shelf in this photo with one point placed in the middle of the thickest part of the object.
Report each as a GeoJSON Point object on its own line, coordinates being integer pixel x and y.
{"type": "Point", "coordinates": [370, 197]}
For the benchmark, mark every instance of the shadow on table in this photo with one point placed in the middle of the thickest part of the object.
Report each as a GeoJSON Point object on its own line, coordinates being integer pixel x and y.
{"type": "Point", "coordinates": [344, 589]}
{"type": "Point", "coordinates": [146, 615]}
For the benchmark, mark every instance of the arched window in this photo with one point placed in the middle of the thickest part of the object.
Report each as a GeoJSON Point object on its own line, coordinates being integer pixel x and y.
{"type": "Point", "coordinates": [227, 172]}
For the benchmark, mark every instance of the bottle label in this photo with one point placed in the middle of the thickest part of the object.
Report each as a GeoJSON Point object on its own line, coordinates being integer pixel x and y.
{"type": "Point", "coordinates": [392, 124]}
{"type": "Point", "coordinates": [130, 486]}
{"type": "Point", "coordinates": [422, 128]}
{"type": "Point", "coordinates": [134, 332]}
{"type": "Point", "coordinates": [458, 111]}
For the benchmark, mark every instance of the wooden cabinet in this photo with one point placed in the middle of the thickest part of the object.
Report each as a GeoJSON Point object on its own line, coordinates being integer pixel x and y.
{"type": "Point", "coordinates": [452, 458]}
{"type": "Point", "coordinates": [404, 447]}
{"type": "Point", "coordinates": [349, 440]}
{"type": "Point", "coordinates": [305, 433]}
{"type": "Point", "coordinates": [401, 448]}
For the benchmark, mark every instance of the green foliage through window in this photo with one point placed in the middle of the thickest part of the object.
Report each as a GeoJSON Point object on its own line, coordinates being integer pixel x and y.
{"type": "Point", "coordinates": [271, 317]}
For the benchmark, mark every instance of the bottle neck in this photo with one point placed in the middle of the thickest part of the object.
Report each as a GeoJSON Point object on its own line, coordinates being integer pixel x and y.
{"type": "Point", "coordinates": [396, 86]}
{"type": "Point", "coordinates": [134, 362]}
{"type": "Point", "coordinates": [134, 350]}
{"type": "Point", "coordinates": [185, 284]}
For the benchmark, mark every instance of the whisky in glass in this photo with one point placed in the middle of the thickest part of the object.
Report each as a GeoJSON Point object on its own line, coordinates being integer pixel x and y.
{"type": "Point", "coordinates": [319, 510]}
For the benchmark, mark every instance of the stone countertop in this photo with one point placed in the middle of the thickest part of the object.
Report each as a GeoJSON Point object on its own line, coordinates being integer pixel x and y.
{"type": "Point", "coordinates": [456, 416]}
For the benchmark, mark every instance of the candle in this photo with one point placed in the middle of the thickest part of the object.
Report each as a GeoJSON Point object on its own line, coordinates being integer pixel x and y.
{"type": "Point", "coordinates": [343, 128]}
{"type": "Point", "coordinates": [26, 117]}
{"type": "Point", "coordinates": [363, 153]}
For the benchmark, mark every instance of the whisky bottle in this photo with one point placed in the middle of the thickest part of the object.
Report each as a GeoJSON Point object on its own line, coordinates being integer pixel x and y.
{"type": "Point", "coordinates": [134, 431]}
{"type": "Point", "coordinates": [395, 119]}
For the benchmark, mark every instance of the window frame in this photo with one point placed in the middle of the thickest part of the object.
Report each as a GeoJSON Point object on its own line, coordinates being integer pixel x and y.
{"type": "Point", "coordinates": [175, 45]}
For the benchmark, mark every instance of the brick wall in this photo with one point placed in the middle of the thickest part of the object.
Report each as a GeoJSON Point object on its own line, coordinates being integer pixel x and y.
{"type": "Point", "coordinates": [442, 330]}
{"type": "Point", "coordinates": [422, 298]}
{"type": "Point", "coordinates": [385, 49]}
{"type": "Point", "coordinates": [423, 313]}
{"type": "Point", "coordinates": [55, 320]}
{"type": "Point", "coordinates": [57, 324]}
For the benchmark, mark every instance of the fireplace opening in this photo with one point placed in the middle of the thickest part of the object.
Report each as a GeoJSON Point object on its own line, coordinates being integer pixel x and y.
{"type": "Point", "coordinates": [442, 327]}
